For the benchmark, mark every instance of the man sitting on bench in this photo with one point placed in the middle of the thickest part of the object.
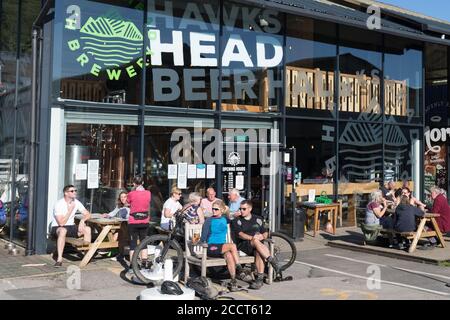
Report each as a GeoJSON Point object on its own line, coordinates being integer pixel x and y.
{"type": "Point", "coordinates": [250, 232]}
{"type": "Point", "coordinates": [63, 223]}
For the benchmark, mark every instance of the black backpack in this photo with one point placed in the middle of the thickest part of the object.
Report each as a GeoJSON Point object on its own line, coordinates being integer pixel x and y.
{"type": "Point", "coordinates": [203, 287]}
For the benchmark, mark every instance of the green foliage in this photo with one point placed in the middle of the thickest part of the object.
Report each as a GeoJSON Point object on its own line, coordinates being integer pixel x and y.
{"type": "Point", "coordinates": [8, 24]}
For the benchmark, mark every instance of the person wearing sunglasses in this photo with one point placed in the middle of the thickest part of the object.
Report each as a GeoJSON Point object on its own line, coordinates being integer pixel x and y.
{"type": "Point", "coordinates": [214, 233]}
{"type": "Point", "coordinates": [63, 223]}
{"type": "Point", "coordinates": [171, 206]}
{"type": "Point", "coordinates": [250, 233]}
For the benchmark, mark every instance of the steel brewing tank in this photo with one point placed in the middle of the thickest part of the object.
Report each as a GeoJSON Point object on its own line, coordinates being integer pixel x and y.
{"type": "Point", "coordinates": [77, 155]}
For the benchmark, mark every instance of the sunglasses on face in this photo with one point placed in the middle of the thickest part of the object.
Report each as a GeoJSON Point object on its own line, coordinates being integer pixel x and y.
{"type": "Point", "coordinates": [72, 191]}
{"type": "Point", "coordinates": [216, 209]}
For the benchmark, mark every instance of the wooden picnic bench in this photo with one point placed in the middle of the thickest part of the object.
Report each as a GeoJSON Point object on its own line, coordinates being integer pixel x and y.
{"type": "Point", "coordinates": [420, 233]}
{"type": "Point", "coordinates": [106, 227]}
{"type": "Point", "coordinates": [197, 254]}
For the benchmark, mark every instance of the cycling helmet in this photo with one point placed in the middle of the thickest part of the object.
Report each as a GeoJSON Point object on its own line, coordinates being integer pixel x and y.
{"type": "Point", "coordinates": [170, 287]}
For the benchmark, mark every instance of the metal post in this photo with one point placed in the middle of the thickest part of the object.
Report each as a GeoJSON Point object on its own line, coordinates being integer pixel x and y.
{"type": "Point", "coordinates": [31, 179]}
{"type": "Point", "coordinates": [14, 155]}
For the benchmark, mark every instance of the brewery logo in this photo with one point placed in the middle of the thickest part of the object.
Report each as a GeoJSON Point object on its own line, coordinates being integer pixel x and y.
{"type": "Point", "coordinates": [108, 43]}
{"type": "Point", "coordinates": [234, 158]}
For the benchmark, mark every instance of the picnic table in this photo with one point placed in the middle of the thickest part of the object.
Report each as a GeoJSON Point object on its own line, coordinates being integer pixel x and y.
{"type": "Point", "coordinates": [421, 233]}
{"type": "Point", "coordinates": [106, 228]}
{"type": "Point", "coordinates": [333, 208]}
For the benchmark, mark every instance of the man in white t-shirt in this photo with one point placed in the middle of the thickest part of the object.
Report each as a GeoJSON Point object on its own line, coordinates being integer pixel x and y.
{"type": "Point", "coordinates": [63, 223]}
{"type": "Point", "coordinates": [171, 206]}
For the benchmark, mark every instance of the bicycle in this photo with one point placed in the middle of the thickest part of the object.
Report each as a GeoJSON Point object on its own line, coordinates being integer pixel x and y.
{"type": "Point", "coordinates": [160, 247]}
{"type": "Point", "coordinates": [284, 248]}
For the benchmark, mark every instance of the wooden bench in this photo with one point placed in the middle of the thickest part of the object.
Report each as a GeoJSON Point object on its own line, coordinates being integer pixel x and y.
{"type": "Point", "coordinates": [199, 255]}
{"type": "Point", "coordinates": [420, 233]}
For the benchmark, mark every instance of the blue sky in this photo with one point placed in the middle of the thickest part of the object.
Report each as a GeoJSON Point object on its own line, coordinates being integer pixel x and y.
{"type": "Point", "coordinates": [435, 8]}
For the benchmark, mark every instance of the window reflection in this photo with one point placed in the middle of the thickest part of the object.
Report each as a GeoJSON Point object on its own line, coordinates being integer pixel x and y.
{"type": "Point", "coordinates": [115, 146]}
{"type": "Point", "coordinates": [311, 61]}
{"type": "Point", "coordinates": [403, 79]}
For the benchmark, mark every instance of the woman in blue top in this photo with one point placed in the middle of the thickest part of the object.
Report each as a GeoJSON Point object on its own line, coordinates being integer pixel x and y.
{"type": "Point", "coordinates": [214, 233]}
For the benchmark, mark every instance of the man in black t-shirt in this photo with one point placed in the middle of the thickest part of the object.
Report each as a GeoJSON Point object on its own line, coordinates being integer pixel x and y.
{"type": "Point", "coordinates": [250, 233]}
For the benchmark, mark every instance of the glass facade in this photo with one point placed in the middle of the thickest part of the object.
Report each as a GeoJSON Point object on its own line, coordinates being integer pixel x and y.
{"type": "Point", "coordinates": [16, 18]}
{"type": "Point", "coordinates": [126, 75]}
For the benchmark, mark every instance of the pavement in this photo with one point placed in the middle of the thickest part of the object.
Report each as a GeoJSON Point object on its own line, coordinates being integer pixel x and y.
{"type": "Point", "coordinates": [319, 272]}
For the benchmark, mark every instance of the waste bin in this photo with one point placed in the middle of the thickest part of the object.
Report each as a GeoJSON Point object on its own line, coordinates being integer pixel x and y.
{"type": "Point", "coordinates": [299, 223]}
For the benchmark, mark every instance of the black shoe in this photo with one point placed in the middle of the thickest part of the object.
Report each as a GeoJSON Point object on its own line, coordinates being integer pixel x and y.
{"type": "Point", "coordinates": [274, 262]}
{"type": "Point", "coordinates": [58, 264]}
{"type": "Point", "coordinates": [257, 284]}
{"type": "Point", "coordinates": [244, 276]}
{"type": "Point", "coordinates": [232, 285]}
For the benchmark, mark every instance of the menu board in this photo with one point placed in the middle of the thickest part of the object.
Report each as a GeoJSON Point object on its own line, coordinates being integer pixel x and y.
{"type": "Point", "coordinates": [435, 171]}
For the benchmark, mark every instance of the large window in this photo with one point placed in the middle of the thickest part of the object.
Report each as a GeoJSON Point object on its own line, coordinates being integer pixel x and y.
{"type": "Point", "coordinates": [98, 50]}
{"type": "Point", "coordinates": [115, 148]}
{"type": "Point", "coordinates": [15, 51]}
{"type": "Point", "coordinates": [310, 65]}
{"type": "Point", "coordinates": [184, 54]}
{"type": "Point", "coordinates": [437, 102]}
{"type": "Point", "coordinates": [360, 65]}
{"type": "Point", "coordinates": [403, 75]}
{"type": "Point", "coordinates": [252, 58]}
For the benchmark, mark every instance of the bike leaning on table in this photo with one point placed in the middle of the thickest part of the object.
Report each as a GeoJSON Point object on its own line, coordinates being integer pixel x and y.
{"type": "Point", "coordinates": [160, 247]}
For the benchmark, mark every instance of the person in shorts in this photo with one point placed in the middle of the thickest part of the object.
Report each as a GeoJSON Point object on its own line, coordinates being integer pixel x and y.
{"type": "Point", "coordinates": [250, 233]}
{"type": "Point", "coordinates": [63, 223]}
{"type": "Point", "coordinates": [214, 233]}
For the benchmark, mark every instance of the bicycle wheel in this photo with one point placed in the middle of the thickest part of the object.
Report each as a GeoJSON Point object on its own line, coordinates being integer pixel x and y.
{"type": "Point", "coordinates": [284, 249]}
{"type": "Point", "coordinates": [152, 271]}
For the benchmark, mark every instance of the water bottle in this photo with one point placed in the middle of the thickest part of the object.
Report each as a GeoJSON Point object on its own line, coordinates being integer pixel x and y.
{"type": "Point", "coordinates": [168, 270]}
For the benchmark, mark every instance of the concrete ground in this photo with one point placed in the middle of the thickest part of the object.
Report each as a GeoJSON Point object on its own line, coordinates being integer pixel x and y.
{"type": "Point", "coordinates": [320, 272]}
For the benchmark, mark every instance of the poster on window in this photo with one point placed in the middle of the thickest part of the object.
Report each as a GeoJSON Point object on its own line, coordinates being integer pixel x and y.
{"type": "Point", "coordinates": [435, 172]}
{"type": "Point", "coordinates": [92, 178]}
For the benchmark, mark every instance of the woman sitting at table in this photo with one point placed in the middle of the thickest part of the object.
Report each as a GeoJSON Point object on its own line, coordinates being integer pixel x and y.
{"type": "Point", "coordinates": [440, 206]}
{"type": "Point", "coordinates": [122, 210]}
{"type": "Point", "coordinates": [376, 211]}
{"type": "Point", "coordinates": [412, 200]}
{"type": "Point", "coordinates": [405, 216]}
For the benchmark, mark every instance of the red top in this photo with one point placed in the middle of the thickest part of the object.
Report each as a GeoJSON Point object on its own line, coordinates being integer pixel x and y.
{"type": "Point", "coordinates": [139, 201]}
{"type": "Point", "coordinates": [440, 206]}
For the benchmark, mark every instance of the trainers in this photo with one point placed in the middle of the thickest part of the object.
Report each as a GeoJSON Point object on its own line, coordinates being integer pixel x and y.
{"type": "Point", "coordinates": [232, 285]}
{"type": "Point", "coordinates": [245, 276]}
{"type": "Point", "coordinates": [274, 262]}
{"type": "Point", "coordinates": [257, 284]}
